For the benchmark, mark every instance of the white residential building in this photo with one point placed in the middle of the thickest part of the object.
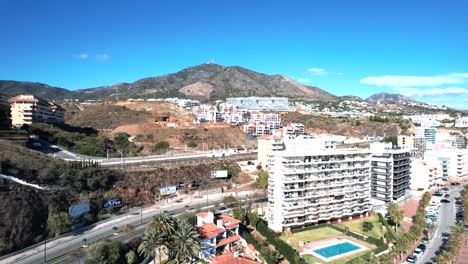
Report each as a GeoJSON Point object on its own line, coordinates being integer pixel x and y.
{"type": "Point", "coordinates": [260, 103]}
{"type": "Point", "coordinates": [205, 113]}
{"type": "Point", "coordinates": [309, 184]}
{"type": "Point", "coordinates": [461, 122]}
{"type": "Point", "coordinates": [426, 175]}
{"type": "Point", "coordinates": [391, 172]}
{"type": "Point", "coordinates": [217, 233]}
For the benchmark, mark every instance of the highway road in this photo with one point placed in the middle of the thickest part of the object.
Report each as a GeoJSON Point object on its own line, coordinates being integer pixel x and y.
{"type": "Point", "coordinates": [64, 154]}
{"type": "Point", "coordinates": [69, 242]}
{"type": "Point", "coordinates": [445, 221]}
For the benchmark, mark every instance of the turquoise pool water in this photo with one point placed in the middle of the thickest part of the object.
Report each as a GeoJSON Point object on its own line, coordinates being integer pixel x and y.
{"type": "Point", "coordinates": [336, 250]}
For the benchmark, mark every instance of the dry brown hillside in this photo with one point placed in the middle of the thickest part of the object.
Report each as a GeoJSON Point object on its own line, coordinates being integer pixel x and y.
{"type": "Point", "coordinates": [205, 136]}
{"type": "Point", "coordinates": [342, 126]}
{"type": "Point", "coordinates": [103, 115]}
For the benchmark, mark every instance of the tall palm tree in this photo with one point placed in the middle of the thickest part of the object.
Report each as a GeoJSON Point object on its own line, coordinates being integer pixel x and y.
{"type": "Point", "coordinates": [164, 224]}
{"type": "Point", "coordinates": [185, 245]}
{"type": "Point", "coordinates": [154, 244]}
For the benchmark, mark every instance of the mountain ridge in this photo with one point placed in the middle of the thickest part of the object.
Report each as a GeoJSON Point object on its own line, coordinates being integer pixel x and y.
{"type": "Point", "coordinates": [218, 82]}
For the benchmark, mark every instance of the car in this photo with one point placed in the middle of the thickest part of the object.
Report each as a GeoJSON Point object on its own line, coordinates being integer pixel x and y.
{"type": "Point", "coordinates": [418, 252]}
{"type": "Point", "coordinates": [222, 208]}
{"type": "Point", "coordinates": [422, 247]}
{"type": "Point", "coordinates": [432, 217]}
{"type": "Point", "coordinates": [455, 183]}
{"type": "Point", "coordinates": [447, 195]}
{"type": "Point", "coordinates": [444, 201]}
{"type": "Point", "coordinates": [425, 240]}
{"type": "Point", "coordinates": [445, 236]}
{"type": "Point", "coordinates": [444, 190]}
{"type": "Point", "coordinates": [458, 202]}
{"type": "Point", "coordinates": [411, 259]}
{"type": "Point", "coordinates": [438, 194]}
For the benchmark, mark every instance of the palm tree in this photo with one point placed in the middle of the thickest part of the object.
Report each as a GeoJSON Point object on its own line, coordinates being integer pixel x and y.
{"type": "Point", "coordinates": [396, 214]}
{"type": "Point", "coordinates": [154, 244]}
{"type": "Point", "coordinates": [164, 224]}
{"type": "Point", "coordinates": [185, 245]}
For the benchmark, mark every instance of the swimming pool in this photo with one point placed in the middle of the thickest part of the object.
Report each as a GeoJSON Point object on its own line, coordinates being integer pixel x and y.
{"type": "Point", "coordinates": [337, 249]}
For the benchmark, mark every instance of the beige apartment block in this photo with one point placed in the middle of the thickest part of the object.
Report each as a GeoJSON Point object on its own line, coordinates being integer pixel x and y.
{"type": "Point", "coordinates": [28, 109]}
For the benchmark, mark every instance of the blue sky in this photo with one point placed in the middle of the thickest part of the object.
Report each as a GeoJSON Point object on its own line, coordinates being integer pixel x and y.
{"type": "Point", "coordinates": [418, 48]}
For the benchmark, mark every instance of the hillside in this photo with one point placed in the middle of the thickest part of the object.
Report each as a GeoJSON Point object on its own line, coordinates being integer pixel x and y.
{"type": "Point", "coordinates": [25, 210]}
{"type": "Point", "coordinates": [13, 88]}
{"type": "Point", "coordinates": [342, 126]}
{"type": "Point", "coordinates": [387, 98]}
{"type": "Point", "coordinates": [204, 82]}
{"type": "Point", "coordinates": [103, 116]}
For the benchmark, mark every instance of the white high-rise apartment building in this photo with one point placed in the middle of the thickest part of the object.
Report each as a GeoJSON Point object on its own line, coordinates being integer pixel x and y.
{"type": "Point", "coordinates": [309, 184]}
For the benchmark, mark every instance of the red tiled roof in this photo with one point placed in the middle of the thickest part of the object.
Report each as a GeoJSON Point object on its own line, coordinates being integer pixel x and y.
{"type": "Point", "coordinates": [233, 226]}
{"type": "Point", "coordinates": [229, 259]}
{"type": "Point", "coordinates": [230, 220]}
{"type": "Point", "coordinates": [202, 214]}
{"type": "Point", "coordinates": [209, 230]}
{"type": "Point", "coordinates": [228, 240]}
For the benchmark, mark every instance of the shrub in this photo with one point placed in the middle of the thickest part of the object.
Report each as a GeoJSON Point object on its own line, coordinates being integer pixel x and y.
{"type": "Point", "coordinates": [192, 144]}
{"type": "Point", "coordinates": [161, 147]}
{"type": "Point", "coordinates": [367, 226]}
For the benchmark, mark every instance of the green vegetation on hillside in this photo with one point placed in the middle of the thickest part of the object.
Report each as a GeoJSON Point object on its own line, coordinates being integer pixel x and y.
{"type": "Point", "coordinates": [84, 141]}
{"type": "Point", "coordinates": [30, 215]}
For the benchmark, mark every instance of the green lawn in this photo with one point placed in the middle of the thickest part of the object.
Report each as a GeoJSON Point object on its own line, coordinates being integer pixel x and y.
{"type": "Point", "coordinates": [356, 226]}
{"type": "Point", "coordinates": [319, 234]}
{"type": "Point", "coordinates": [310, 235]}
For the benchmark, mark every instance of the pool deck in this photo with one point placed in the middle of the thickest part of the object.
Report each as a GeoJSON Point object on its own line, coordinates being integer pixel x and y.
{"type": "Point", "coordinates": [308, 248]}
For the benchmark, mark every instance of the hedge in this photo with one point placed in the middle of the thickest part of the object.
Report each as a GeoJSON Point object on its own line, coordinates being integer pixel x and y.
{"type": "Point", "coordinates": [248, 237]}
{"type": "Point", "coordinates": [283, 248]}
{"type": "Point", "coordinates": [387, 226]}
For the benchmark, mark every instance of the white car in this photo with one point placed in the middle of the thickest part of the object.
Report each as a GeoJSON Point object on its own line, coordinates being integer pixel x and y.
{"type": "Point", "coordinates": [418, 252]}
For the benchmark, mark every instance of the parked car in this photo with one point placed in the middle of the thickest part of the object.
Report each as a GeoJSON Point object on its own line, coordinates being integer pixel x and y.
{"type": "Point", "coordinates": [444, 201]}
{"type": "Point", "coordinates": [455, 183]}
{"type": "Point", "coordinates": [438, 194]}
{"type": "Point", "coordinates": [445, 236]}
{"type": "Point", "coordinates": [422, 247]}
{"type": "Point", "coordinates": [418, 253]}
{"type": "Point", "coordinates": [411, 259]}
{"type": "Point", "coordinates": [447, 195]}
{"type": "Point", "coordinates": [425, 240]}
{"type": "Point", "coordinates": [458, 202]}
{"type": "Point", "coordinates": [432, 217]}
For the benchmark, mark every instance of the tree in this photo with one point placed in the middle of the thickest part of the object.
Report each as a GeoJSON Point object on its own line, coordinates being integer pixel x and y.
{"type": "Point", "coordinates": [229, 200]}
{"type": "Point", "coordinates": [164, 224]}
{"type": "Point", "coordinates": [131, 257]}
{"type": "Point", "coordinates": [161, 147]}
{"type": "Point", "coordinates": [192, 144]}
{"type": "Point", "coordinates": [154, 244]}
{"type": "Point", "coordinates": [252, 217]}
{"type": "Point", "coordinates": [395, 212]}
{"type": "Point", "coordinates": [109, 253]}
{"type": "Point", "coordinates": [185, 245]}
{"type": "Point", "coordinates": [262, 180]}
{"type": "Point", "coordinates": [238, 212]}
{"type": "Point", "coordinates": [58, 223]}
{"type": "Point", "coordinates": [367, 226]}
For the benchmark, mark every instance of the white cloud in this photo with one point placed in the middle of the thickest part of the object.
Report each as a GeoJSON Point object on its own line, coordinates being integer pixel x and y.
{"type": "Point", "coordinates": [82, 56]}
{"type": "Point", "coordinates": [303, 80]}
{"type": "Point", "coordinates": [402, 81]}
{"type": "Point", "coordinates": [317, 71]}
{"type": "Point", "coordinates": [416, 92]}
{"type": "Point", "coordinates": [102, 57]}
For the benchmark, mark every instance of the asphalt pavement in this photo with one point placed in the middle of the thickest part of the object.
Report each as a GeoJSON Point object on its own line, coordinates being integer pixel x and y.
{"type": "Point", "coordinates": [73, 241]}
{"type": "Point", "coordinates": [445, 221]}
